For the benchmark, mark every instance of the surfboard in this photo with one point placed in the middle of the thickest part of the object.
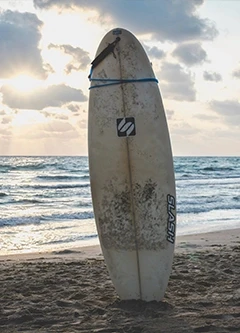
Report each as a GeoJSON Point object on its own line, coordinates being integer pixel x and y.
{"type": "Point", "coordinates": [131, 168]}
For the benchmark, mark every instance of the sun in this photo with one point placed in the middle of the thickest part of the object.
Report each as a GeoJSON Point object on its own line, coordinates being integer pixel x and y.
{"type": "Point", "coordinates": [25, 83]}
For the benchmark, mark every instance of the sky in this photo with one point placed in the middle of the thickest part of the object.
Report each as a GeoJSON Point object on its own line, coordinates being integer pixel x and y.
{"type": "Point", "coordinates": [46, 47]}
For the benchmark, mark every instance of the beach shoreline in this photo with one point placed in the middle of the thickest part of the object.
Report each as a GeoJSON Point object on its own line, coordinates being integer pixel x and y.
{"type": "Point", "coordinates": [184, 243]}
{"type": "Point", "coordinates": [70, 291]}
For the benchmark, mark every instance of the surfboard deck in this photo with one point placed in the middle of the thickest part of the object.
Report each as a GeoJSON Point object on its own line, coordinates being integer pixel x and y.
{"type": "Point", "coordinates": [131, 169]}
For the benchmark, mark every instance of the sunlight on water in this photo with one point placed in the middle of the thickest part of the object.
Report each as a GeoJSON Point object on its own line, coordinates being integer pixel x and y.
{"type": "Point", "coordinates": [48, 236]}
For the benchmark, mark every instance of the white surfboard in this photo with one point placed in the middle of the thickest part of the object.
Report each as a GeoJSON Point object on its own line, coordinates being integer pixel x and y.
{"type": "Point", "coordinates": [131, 169]}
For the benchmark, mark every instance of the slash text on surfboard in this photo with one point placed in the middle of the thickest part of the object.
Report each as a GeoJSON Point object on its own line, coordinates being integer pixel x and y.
{"type": "Point", "coordinates": [171, 229]}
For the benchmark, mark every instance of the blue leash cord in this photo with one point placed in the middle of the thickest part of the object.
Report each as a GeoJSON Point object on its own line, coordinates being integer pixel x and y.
{"type": "Point", "coordinates": [111, 82]}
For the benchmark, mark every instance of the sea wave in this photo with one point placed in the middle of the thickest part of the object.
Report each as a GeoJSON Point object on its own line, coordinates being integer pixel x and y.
{"type": "Point", "coordinates": [71, 239]}
{"type": "Point", "coordinates": [208, 182]}
{"type": "Point", "coordinates": [61, 177]}
{"type": "Point", "coordinates": [215, 169]}
{"type": "Point", "coordinates": [38, 186]}
{"type": "Point", "coordinates": [184, 208]}
{"type": "Point", "coordinates": [38, 219]}
{"type": "Point", "coordinates": [35, 166]}
{"type": "Point", "coordinates": [27, 201]}
{"type": "Point", "coordinates": [54, 186]}
{"type": "Point", "coordinates": [88, 214]}
{"type": "Point", "coordinates": [236, 198]}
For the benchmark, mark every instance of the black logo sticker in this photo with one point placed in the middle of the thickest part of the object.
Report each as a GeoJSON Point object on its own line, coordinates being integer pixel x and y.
{"type": "Point", "coordinates": [171, 229]}
{"type": "Point", "coordinates": [126, 126]}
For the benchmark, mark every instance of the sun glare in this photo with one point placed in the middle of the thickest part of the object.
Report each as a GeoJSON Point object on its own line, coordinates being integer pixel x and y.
{"type": "Point", "coordinates": [25, 117]}
{"type": "Point", "coordinates": [25, 83]}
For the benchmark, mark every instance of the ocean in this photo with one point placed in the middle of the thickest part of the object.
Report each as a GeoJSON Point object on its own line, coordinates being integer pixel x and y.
{"type": "Point", "coordinates": [46, 201]}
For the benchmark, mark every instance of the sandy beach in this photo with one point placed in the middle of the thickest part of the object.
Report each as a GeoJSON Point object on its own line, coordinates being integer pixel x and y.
{"type": "Point", "coordinates": [70, 291]}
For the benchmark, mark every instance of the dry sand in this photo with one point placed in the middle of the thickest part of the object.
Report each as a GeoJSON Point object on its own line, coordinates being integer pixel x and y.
{"type": "Point", "coordinates": [70, 291]}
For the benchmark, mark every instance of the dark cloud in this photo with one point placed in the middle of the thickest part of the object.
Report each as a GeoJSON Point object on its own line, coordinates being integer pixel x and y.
{"type": "Point", "coordinates": [229, 109]}
{"type": "Point", "coordinates": [53, 96]}
{"type": "Point", "coordinates": [80, 58]}
{"type": "Point", "coordinates": [174, 20]}
{"type": "Point", "coordinates": [190, 54]}
{"type": "Point", "coordinates": [6, 120]}
{"type": "Point", "coordinates": [226, 134]}
{"type": "Point", "coordinates": [61, 116]}
{"type": "Point", "coordinates": [212, 76]}
{"type": "Point", "coordinates": [175, 83]}
{"type": "Point", "coordinates": [58, 127]}
{"type": "Point", "coordinates": [169, 114]}
{"type": "Point", "coordinates": [74, 108]}
{"type": "Point", "coordinates": [236, 73]}
{"type": "Point", "coordinates": [55, 115]}
{"type": "Point", "coordinates": [183, 130]}
{"type": "Point", "coordinates": [47, 114]}
{"type": "Point", "coordinates": [19, 39]}
{"type": "Point", "coordinates": [155, 52]}
{"type": "Point", "coordinates": [206, 117]}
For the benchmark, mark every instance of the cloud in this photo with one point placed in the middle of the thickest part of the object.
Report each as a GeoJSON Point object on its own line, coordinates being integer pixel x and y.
{"type": "Point", "coordinates": [74, 108]}
{"type": "Point", "coordinates": [6, 120]}
{"type": "Point", "coordinates": [174, 20]}
{"type": "Point", "coordinates": [212, 76]}
{"type": "Point", "coordinates": [80, 58]}
{"type": "Point", "coordinates": [175, 83]}
{"type": "Point", "coordinates": [169, 114]}
{"type": "Point", "coordinates": [58, 127]}
{"type": "Point", "coordinates": [229, 109]}
{"type": "Point", "coordinates": [61, 116]}
{"type": "Point", "coordinates": [184, 129]}
{"type": "Point", "coordinates": [82, 123]}
{"type": "Point", "coordinates": [204, 117]}
{"type": "Point", "coordinates": [5, 132]}
{"type": "Point", "coordinates": [236, 73]}
{"type": "Point", "coordinates": [19, 39]}
{"type": "Point", "coordinates": [53, 96]}
{"type": "Point", "coordinates": [55, 115]}
{"type": "Point", "coordinates": [54, 129]}
{"type": "Point", "coordinates": [190, 54]}
{"type": "Point", "coordinates": [155, 52]}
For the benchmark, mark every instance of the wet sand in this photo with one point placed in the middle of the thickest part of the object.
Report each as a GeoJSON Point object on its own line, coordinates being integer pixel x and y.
{"type": "Point", "coordinates": [70, 291]}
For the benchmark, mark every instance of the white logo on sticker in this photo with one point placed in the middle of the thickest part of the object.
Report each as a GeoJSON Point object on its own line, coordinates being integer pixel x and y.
{"type": "Point", "coordinates": [126, 126]}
